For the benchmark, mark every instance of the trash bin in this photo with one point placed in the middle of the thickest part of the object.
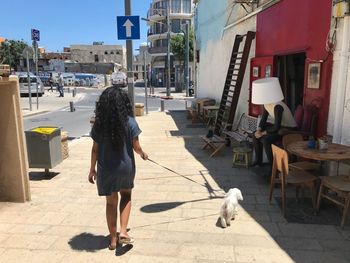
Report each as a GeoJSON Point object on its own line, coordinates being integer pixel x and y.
{"type": "Point", "coordinates": [44, 147]}
{"type": "Point", "coordinates": [139, 109]}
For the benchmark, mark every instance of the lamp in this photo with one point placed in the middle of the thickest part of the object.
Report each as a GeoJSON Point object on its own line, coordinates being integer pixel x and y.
{"type": "Point", "coordinates": [266, 91]}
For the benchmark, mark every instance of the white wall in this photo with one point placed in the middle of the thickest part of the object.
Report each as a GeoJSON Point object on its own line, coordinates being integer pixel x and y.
{"type": "Point", "coordinates": [214, 63]}
{"type": "Point", "coordinates": [334, 87]}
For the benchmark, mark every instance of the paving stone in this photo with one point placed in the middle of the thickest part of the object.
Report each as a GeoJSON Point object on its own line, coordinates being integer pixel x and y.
{"type": "Point", "coordinates": [335, 245]}
{"type": "Point", "coordinates": [156, 259]}
{"type": "Point", "coordinates": [268, 255]}
{"type": "Point", "coordinates": [309, 231]}
{"type": "Point", "coordinates": [304, 256]}
{"type": "Point", "coordinates": [26, 255]}
{"type": "Point", "coordinates": [207, 252]}
{"type": "Point", "coordinates": [28, 241]}
{"type": "Point", "coordinates": [299, 243]}
{"type": "Point", "coordinates": [91, 257]}
{"type": "Point", "coordinates": [28, 229]}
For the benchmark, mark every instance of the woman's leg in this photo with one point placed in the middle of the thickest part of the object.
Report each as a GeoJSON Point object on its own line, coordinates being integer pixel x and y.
{"type": "Point", "coordinates": [111, 216]}
{"type": "Point", "coordinates": [258, 151]}
{"type": "Point", "coordinates": [124, 210]}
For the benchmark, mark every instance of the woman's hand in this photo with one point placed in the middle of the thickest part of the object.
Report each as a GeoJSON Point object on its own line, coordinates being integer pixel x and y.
{"type": "Point", "coordinates": [144, 156]}
{"type": "Point", "coordinates": [259, 134]}
{"type": "Point", "coordinates": [92, 176]}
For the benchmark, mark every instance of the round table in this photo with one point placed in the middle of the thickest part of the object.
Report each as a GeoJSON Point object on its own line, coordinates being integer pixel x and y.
{"type": "Point", "coordinates": [335, 152]}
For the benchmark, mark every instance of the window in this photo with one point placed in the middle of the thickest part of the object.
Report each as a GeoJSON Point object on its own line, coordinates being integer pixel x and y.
{"type": "Point", "coordinates": [96, 58]}
{"type": "Point", "coordinates": [176, 6]}
{"type": "Point", "coordinates": [117, 52]}
{"type": "Point", "coordinates": [106, 53]}
{"type": "Point", "coordinates": [112, 53]}
{"type": "Point", "coordinates": [90, 52]}
{"type": "Point", "coordinates": [186, 8]}
{"type": "Point", "coordinates": [175, 25]}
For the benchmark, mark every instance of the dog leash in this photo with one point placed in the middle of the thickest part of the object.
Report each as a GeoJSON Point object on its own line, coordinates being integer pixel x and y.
{"type": "Point", "coordinates": [193, 181]}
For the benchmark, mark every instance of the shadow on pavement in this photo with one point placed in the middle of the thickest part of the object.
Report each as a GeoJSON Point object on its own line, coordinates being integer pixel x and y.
{"type": "Point", "coordinates": [88, 242]}
{"type": "Point", "coordinates": [161, 207]}
{"type": "Point", "coordinates": [39, 176]}
{"type": "Point", "coordinates": [254, 184]}
{"type": "Point", "coordinates": [123, 249]}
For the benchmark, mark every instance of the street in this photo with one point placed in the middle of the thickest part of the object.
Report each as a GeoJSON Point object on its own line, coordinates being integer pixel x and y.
{"type": "Point", "coordinates": [77, 123]}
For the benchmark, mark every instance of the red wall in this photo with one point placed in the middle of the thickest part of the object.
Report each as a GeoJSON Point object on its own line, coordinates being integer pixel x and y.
{"type": "Point", "coordinates": [294, 26]}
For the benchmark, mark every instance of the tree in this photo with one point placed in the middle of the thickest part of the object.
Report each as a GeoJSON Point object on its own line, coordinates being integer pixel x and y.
{"type": "Point", "coordinates": [178, 48]}
{"type": "Point", "coordinates": [11, 52]}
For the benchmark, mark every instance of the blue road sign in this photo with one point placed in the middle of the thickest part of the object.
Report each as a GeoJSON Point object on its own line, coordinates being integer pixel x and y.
{"type": "Point", "coordinates": [35, 35]}
{"type": "Point", "coordinates": [128, 27]}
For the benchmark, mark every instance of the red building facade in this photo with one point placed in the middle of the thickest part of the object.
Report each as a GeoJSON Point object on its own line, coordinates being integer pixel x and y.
{"type": "Point", "coordinates": [291, 44]}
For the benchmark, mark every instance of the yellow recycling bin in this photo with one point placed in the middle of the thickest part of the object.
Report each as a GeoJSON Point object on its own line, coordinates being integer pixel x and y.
{"type": "Point", "coordinates": [44, 147]}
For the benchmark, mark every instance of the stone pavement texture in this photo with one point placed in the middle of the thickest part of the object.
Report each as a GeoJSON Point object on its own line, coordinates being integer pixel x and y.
{"type": "Point", "coordinates": [172, 219]}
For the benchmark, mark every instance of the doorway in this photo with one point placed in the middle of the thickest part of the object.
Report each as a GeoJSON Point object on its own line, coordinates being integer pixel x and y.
{"type": "Point", "coordinates": [291, 73]}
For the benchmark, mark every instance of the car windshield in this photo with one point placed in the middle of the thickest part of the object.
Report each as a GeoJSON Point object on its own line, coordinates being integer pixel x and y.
{"type": "Point", "coordinates": [25, 80]}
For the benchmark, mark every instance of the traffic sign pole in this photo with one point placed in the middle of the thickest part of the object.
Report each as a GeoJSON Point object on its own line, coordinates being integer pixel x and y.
{"type": "Point", "coordinates": [35, 47]}
{"type": "Point", "coordinates": [36, 37]}
{"type": "Point", "coordinates": [129, 54]}
{"type": "Point", "coordinates": [29, 84]}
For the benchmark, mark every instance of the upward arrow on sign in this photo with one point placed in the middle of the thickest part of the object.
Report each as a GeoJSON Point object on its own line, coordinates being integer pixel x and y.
{"type": "Point", "coordinates": [128, 25]}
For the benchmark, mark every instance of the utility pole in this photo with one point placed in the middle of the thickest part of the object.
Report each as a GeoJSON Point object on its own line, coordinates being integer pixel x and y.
{"type": "Point", "coordinates": [129, 58]}
{"type": "Point", "coordinates": [35, 47]}
{"type": "Point", "coordinates": [145, 79]}
{"type": "Point", "coordinates": [29, 84]}
{"type": "Point", "coordinates": [187, 59]}
{"type": "Point", "coordinates": [168, 51]}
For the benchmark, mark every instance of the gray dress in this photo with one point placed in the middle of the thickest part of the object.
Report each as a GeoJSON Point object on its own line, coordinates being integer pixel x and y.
{"type": "Point", "coordinates": [115, 169]}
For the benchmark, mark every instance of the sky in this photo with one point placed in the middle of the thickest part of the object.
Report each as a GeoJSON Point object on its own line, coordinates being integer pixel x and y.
{"type": "Point", "coordinates": [65, 22]}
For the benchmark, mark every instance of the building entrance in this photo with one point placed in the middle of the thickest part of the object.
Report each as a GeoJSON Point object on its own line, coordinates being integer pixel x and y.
{"type": "Point", "coordinates": [290, 69]}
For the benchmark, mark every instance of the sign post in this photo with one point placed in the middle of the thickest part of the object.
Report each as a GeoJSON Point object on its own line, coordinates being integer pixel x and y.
{"type": "Point", "coordinates": [129, 29]}
{"type": "Point", "coordinates": [36, 37]}
{"type": "Point", "coordinates": [26, 53]}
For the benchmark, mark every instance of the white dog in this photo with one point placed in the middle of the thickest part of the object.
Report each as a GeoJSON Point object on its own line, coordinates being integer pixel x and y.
{"type": "Point", "coordinates": [229, 207]}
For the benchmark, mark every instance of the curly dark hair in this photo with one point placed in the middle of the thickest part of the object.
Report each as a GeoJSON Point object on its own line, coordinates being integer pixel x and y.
{"type": "Point", "coordinates": [111, 116]}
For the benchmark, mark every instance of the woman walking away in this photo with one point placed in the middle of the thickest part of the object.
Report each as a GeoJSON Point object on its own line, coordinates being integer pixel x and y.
{"type": "Point", "coordinates": [115, 136]}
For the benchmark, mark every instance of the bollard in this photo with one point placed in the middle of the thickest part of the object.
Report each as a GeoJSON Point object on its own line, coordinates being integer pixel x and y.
{"type": "Point", "coordinates": [74, 92]}
{"type": "Point", "coordinates": [161, 105]}
{"type": "Point", "coordinates": [71, 105]}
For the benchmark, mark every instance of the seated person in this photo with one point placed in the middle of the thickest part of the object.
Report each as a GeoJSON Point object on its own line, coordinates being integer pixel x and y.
{"type": "Point", "coordinates": [268, 92]}
{"type": "Point", "coordinates": [268, 133]}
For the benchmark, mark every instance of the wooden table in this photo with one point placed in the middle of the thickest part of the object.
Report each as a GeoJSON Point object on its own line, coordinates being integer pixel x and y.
{"type": "Point", "coordinates": [209, 113]}
{"type": "Point", "coordinates": [335, 152]}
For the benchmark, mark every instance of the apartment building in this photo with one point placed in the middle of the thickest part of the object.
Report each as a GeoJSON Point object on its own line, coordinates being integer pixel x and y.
{"type": "Point", "coordinates": [180, 14]}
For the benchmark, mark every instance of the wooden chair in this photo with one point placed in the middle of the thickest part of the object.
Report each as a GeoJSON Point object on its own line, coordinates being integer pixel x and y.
{"type": "Point", "coordinates": [339, 185]}
{"type": "Point", "coordinates": [302, 165]}
{"type": "Point", "coordinates": [283, 175]}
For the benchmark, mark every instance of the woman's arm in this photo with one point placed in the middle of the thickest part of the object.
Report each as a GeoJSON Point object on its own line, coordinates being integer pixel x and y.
{"type": "Point", "coordinates": [278, 111]}
{"type": "Point", "coordinates": [92, 173]}
{"type": "Point", "coordinates": [137, 148]}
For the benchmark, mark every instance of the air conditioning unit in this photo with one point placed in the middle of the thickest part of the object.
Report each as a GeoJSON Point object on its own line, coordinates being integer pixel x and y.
{"type": "Point", "coordinates": [340, 8]}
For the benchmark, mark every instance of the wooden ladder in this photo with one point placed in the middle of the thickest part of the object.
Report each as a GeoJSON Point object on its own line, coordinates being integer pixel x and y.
{"type": "Point", "coordinates": [233, 83]}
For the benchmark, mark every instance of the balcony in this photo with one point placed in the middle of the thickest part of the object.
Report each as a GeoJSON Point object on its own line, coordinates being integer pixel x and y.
{"type": "Point", "coordinates": [157, 50]}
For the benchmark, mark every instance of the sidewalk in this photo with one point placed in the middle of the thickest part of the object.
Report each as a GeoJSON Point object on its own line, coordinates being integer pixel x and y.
{"type": "Point", "coordinates": [172, 220]}
{"type": "Point", "coordinates": [50, 101]}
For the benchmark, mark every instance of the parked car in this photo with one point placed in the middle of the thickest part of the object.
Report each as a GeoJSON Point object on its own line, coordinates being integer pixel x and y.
{"type": "Point", "coordinates": [34, 81]}
{"type": "Point", "coordinates": [119, 79]}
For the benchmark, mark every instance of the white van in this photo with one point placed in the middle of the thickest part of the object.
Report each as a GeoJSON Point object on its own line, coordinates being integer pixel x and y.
{"type": "Point", "coordinates": [23, 85]}
{"type": "Point", "coordinates": [119, 79]}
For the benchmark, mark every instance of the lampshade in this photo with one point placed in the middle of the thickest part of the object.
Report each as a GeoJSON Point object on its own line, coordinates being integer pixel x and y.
{"type": "Point", "coordinates": [266, 91]}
